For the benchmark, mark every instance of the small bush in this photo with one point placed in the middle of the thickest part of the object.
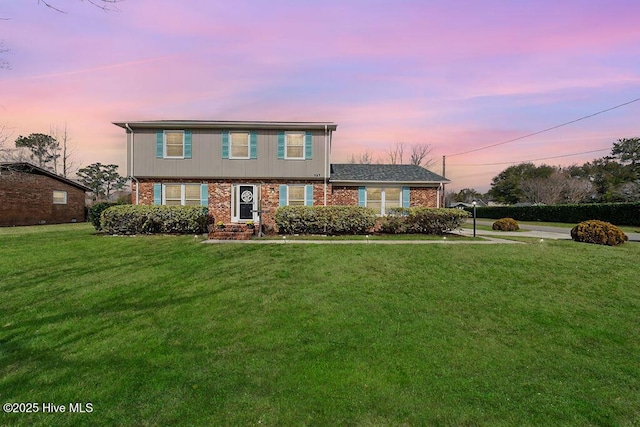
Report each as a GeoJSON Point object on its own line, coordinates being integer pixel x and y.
{"type": "Point", "coordinates": [145, 219]}
{"type": "Point", "coordinates": [324, 219]}
{"type": "Point", "coordinates": [598, 232]}
{"type": "Point", "coordinates": [422, 220]}
{"type": "Point", "coordinates": [506, 224]}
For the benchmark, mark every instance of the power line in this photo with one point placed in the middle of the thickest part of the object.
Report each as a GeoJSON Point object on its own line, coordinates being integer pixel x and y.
{"type": "Point", "coordinates": [537, 160]}
{"type": "Point", "coordinates": [544, 130]}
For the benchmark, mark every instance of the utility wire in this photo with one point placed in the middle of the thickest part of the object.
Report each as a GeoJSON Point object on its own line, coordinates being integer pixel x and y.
{"type": "Point", "coordinates": [544, 130]}
{"type": "Point", "coordinates": [537, 160]}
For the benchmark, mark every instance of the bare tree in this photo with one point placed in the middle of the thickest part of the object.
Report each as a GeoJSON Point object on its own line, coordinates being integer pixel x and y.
{"type": "Point", "coordinates": [420, 155]}
{"type": "Point", "coordinates": [4, 64]}
{"type": "Point", "coordinates": [108, 5]}
{"type": "Point", "coordinates": [577, 189]}
{"type": "Point", "coordinates": [365, 158]}
{"type": "Point", "coordinates": [395, 153]}
{"type": "Point", "coordinates": [67, 164]}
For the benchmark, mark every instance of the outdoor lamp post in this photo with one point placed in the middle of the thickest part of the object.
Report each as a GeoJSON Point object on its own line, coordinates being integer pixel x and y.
{"type": "Point", "coordinates": [474, 218]}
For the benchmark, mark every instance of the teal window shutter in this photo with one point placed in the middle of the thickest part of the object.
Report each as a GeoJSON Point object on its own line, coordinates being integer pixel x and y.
{"type": "Point", "coordinates": [362, 196]}
{"type": "Point", "coordinates": [157, 194]}
{"type": "Point", "coordinates": [159, 144]}
{"type": "Point", "coordinates": [281, 145]}
{"type": "Point", "coordinates": [308, 146]}
{"type": "Point", "coordinates": [204, 195]}
{"type": "Point", "coordinates": [406, 191]}
{"type": "Point", "coordinates": [225, 144]}
{"type": "Point", "coordinates": [283, 195]}
{"type": "Point", "coordinates": [253, 145]}
{"type": "Point", "coordinates": [187, 144]}
{"type": "Point", "coordinates": [308, 195]}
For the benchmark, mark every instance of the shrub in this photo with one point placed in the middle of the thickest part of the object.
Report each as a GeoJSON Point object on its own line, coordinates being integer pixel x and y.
{"type": "Point", "coordinates": [506, 224]}
{"type": "Point", "coordinates": [324, 219]}
{"type": "Point", "coordinates": [144, 219]}
{"type": "Point", "coordinates": [422, 220]}
{"type": "Point", "coordinates": [598, 232]}
{"type": "Point", "coordinates": [96, 211]}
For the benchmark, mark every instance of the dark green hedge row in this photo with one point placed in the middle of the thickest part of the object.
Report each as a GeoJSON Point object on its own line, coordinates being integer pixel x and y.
{"type": "Point", "coordinates": [324, 219]}
{"type": "Point", "coordinates": [144, 219]}
{"type": "Point", "coordinates": [96, 211]}
{"type": "Point", "coordinates": [422, 220]}
{"type": "Point", "coordinates": [615, 213]}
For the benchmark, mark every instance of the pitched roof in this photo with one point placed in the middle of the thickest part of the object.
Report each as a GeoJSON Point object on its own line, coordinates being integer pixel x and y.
{"type": "Point", "coordinates": [225, 124]}
{"type": "Point", "coordinates": [31, 168]}
{"type": "Point", "coordinates": [347, 172]}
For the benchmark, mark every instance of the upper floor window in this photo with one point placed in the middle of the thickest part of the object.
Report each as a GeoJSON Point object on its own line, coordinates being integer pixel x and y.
{"type": "Point", "coordinates": [173, 144]}
{"type": "Point", "coordinates": [239, 145]}
{"type": "Point", "coordinates": [59, 197]}
{"type": "Point", "coordinates": [294, 143]}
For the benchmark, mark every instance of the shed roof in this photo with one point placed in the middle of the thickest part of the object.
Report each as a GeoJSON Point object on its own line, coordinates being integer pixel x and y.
{"type": "Point", "coordinates": [31, 168]}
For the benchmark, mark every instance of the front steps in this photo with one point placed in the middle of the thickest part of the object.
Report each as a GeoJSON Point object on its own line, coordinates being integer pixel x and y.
{"type": "Point", "coordinates": [232, 232]}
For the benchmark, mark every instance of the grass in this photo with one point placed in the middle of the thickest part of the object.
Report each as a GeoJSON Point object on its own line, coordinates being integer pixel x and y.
{"type": "Point", "coordinates": [165, 331]}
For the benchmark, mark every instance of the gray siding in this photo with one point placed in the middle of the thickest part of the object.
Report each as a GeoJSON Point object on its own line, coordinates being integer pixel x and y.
{"type": "Point", "coordinates": [207, 161]}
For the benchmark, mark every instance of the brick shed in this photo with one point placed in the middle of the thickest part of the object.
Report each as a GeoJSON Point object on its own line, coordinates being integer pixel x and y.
{"type": "Point", "coordinates": [30, 195]}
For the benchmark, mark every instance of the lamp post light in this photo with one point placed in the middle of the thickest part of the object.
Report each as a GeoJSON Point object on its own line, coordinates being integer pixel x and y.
{"type": "Point", "coordinates": [474, 218]}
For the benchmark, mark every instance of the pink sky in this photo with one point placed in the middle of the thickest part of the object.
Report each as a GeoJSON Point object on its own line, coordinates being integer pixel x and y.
{"type": "Point", "coordinates": [458, 75]}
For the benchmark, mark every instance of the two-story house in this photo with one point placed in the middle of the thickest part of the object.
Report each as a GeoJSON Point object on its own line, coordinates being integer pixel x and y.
{"type": "Point", "coordinates": [238, 168]}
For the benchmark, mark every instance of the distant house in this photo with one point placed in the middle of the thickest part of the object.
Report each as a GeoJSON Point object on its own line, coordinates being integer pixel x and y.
{"type": "Point", "coordinates": [462, 205]}
{"type": "Point", "coordinates": [30, 195]}
{"type": "Point", "coordinates": [237, 168]}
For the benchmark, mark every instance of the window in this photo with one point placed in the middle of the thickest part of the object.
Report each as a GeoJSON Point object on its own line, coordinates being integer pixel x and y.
{"type": "Point", "coordinates": [294, 145]}
{"type": "Point", "coordinates": [182, 194]}
{"type": "Point", "coordinates": [382, 199]}
{"type": "Point", "coordinates": [59, 197]}
{"type": "Point", "coordinates": [296, 195]}
{"type": "Point", "coordinates": [174, 144]}
{"type": "Point", "coordinates": [239, 145]}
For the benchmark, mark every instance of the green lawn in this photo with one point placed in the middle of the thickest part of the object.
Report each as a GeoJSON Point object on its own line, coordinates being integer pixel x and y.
{"type": "Point", "coordinates": [167, 331]}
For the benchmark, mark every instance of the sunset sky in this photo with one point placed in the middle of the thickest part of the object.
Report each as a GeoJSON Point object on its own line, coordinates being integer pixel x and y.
{"type": "Point", "coordinates": [459, 75]}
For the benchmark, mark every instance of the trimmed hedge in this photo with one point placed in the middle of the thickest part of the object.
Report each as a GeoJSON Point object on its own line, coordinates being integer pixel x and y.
{"type": "Point", "coordinates": [422, 220]}
{"type": "Point", "coordinates": [145, 219]}
{"type": "Point", "coordinates": [325, 219]}
{"type": "Point", "coordinates": [96, 211]}
{"type": "Point", "coordinates": [615, 213]}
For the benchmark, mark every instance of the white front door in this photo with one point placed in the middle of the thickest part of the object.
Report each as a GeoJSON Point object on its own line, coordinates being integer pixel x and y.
{"type": "Point", "coordinates": [245, 203]}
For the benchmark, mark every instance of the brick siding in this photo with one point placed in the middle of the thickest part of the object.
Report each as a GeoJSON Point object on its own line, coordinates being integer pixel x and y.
{"type": "Point", "coordinates": [27, 199]}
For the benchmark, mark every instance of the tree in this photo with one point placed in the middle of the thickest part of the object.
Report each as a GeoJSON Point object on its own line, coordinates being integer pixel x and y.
{"type": "Point", "coordinates": [395, 153]}
{"type": "Point", "coordinates": [65, 152]}
{"type": "Point", "coordinates": [420, 153]}
{"type": "Point", "coordinates": [627, 151]}
{"type": "Point", "coordinates": [43, 148]}
{"type": "Point", "coordinates": [467, 195]}
{"type": "Point", "coordinates": [109, 5]}
{"type": "Point", "coordinates": [365, 158]}
{"type": "Point", "coordinates": [101, 179]}
{"type": "Point", "coordinates": [505, 187]}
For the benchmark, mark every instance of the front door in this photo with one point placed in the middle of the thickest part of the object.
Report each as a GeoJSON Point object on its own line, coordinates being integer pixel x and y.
{"type": "Point", "coordinates": [245, 203]}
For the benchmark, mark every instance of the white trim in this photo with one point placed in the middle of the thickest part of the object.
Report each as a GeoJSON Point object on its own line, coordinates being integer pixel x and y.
{"type": "Point", "coordinates": [231, 156]}
{"type": "Point", "coordinates": [183, 192]}
{"type": "Point", "coordinates": [235, 203]}
{"type": "Point", "coordinates": [286, 140]}
{"type": "Point", "coordinates": [164, 144]}
{"type": "Point", "coordinates": [64, 199]}
{"type": "Point", "coordinates": [383, 198]}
